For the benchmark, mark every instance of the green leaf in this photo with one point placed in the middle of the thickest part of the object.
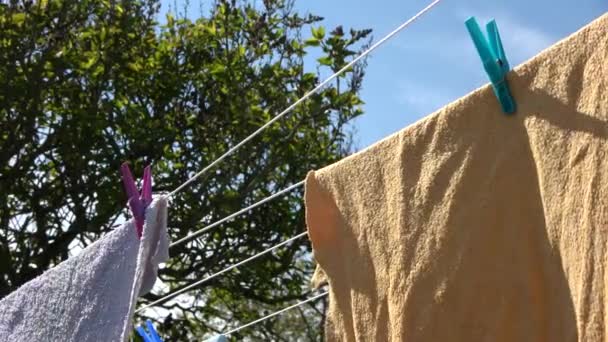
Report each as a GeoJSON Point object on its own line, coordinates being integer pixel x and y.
{"type": "Point", "coordinates": [89, 63]}
{"type": "Point", "coordinates": [211, 29]}
{"type": "Point", "coordinates": [312, 42]}
{"type": "Point", "coordinates": [309, 77]}
{"type": "Point", "coordinates": [296, 45]}
{"type": "Point", "coordinates": [134, 66]}
{"type": "Point", "coordinates": [326, 60]}
{"type": "Point", "coordinates": [318, 33]}
{"type": "Point", "coordinates": [98, 70]}
{"type": "Point", "coordinates": [18, 18]}
{"type": "Point", "coordinates": [170, 20]}
{"type": "Point", "coordinates": [217, 68]}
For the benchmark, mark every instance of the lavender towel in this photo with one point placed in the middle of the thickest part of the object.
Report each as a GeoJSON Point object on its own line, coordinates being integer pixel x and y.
{"type": "Point", "coordinates": [92, 296]}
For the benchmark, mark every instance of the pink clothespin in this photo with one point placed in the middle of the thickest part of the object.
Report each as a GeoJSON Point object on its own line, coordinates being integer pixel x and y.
{"type": "Point", "coordinates": [137, 202]}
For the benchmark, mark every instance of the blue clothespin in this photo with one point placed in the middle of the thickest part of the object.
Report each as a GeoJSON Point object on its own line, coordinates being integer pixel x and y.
{"type": "Point", "coordinates": [152, 336]}
{"type": "Point", "coordinates": [218, 338]}
{"type": "Point", "coordinates": [494, 61]}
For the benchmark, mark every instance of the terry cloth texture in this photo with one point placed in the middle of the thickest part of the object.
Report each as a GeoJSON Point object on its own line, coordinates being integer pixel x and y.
{"type": "Point", "coordinates": [90, 297]}
{"type": "Point", "coordinates": [472, 225]}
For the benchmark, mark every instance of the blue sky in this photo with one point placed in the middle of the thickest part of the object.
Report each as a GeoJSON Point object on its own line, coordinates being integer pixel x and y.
{"type": "Point", "coordinates": [433, 61]}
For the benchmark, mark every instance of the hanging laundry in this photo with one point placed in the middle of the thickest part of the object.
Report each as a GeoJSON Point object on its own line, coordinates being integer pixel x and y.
{"type": "Point", "coordinates": [90, 297]}
{"type": "Point", "coordinates": [472, 225]}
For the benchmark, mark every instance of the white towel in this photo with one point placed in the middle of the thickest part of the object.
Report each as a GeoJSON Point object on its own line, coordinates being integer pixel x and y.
{"type": "Point", "coordinates": [92, 296]}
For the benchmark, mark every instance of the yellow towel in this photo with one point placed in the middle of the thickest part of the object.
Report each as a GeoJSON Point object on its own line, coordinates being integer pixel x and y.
{"type": "Point", "coordinates": [471, 225]}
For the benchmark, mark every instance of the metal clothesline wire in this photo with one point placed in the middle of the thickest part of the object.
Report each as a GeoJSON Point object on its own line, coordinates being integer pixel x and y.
{"type": "Point", "coordinates": [243, 142]}
{"type": "Point", "coordinates": [229, 268]}
{"type": "Point", "coordinates": [244, 210]}
{"type": "Point", "coordinates": [233, 215]}
{"type": "Point", "coordinates": [303, 98]}
{"type": "Point", "coordinates": [276, 313]}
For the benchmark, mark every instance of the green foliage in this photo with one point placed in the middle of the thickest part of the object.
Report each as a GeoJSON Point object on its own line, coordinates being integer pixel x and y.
{"type": "Point", "coordinates": [89, 84]}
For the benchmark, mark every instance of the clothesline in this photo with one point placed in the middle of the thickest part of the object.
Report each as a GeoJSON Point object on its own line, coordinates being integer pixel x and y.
{"type": "Point", "coordinates": [229, 268]}
{"type": "Point", "coordinates": [276, 313]}
{"type": "Point", "coordinates": [239, 145]}
{"type": "Point", "coordinates": [303, 98]}
{"type": "Point", "coordinates": [104, 285]}
{"type": "Point", "coordinates": [233, 215]}
{"type": "Point", "coordinates": [218, 160]}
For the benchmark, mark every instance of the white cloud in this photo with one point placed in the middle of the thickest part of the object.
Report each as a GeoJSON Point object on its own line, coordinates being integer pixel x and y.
{"type": "Point", "coordinates": [422, 99]}
{"type": "Point", "coordinates": [521, 41]}
{"type": "Point", "coordinates": [442, 45]}
{"type": "Point", "coordinates": [456, 58]}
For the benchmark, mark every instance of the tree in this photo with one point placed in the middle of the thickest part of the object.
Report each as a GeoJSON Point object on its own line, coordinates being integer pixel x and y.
{"type": "Point", "coordinates": [87, 85]}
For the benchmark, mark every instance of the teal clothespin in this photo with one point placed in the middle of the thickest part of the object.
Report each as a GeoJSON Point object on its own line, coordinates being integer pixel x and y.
{"type": "Point", "coordinates": [494, 61]}
{"type": "Point", "coordinates": [152, 336]}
